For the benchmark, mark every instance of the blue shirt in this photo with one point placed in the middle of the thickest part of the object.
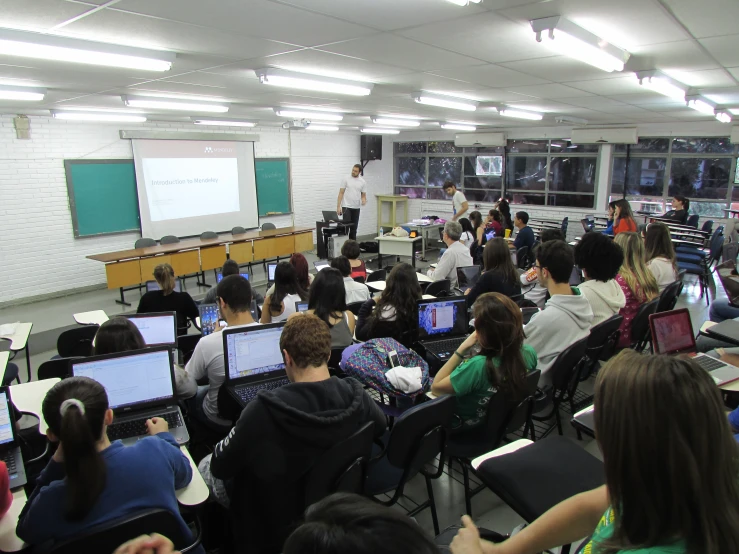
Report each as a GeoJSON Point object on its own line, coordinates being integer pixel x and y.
{"type": "Point", "coordinates": [734, 422]}
{"type": "Point", "coordinates": [142, 476]}
{"type": "Point", "coordinates": [609, 228]}
{"type": "Point", "coordinates": [525, 237]}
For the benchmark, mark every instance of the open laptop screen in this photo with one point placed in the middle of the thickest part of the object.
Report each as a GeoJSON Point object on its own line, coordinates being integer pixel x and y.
{"type": "Point", "coordinates": [153, 285]}
{"type": "Point", "coordinates": [130, 378]}
{"type": "Point", "coordinates": [253, 351]}
{"type": "Point", "coordinates": [6, 425]}
{"type": "Point", "coordinates": [219, 276]}
{"type": "Point", "coordinates": [157, 329]}
{"type": "Point", "coordinates": [321, 264]}
{"type": "Point", "coordinates": [672, 332]}
{"type": "Point", "coordinates": [468, 276]}
{"type": "Point", "coordinates": [271, 272]}
{"type": "Point", "coordinates": [442, 317]}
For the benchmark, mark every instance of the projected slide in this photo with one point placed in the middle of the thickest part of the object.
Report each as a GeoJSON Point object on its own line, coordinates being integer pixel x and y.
{"type": "Point", "coordinates": [186, 187]}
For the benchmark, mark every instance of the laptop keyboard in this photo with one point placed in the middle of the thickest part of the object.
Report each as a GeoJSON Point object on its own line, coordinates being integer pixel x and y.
{"type": "Point", "coordinates": [444, 348]}
{"type": "Point", "coordinates": [249, 392]}
{"type": "Point", "coordinates": [9, 460]}
{"type": "Point", "coordinates": [137, 427]}
{"type": "Point", "coordinates": [708, 363]}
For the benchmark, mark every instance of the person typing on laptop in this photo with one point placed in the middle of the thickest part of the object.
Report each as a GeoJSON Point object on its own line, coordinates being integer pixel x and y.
{"type": "Point", "coordinates": [456, 255]}
{"type": "Point", "coordinates": [90, 480]}
{"type": "Point", "coordinates": [234, 301]}
{"type": "Point", "coordinates": [258, 471]}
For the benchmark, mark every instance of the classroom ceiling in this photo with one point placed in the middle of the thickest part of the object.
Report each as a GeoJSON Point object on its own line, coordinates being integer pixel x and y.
{"type": "Point", "coordinates": [486, 52]}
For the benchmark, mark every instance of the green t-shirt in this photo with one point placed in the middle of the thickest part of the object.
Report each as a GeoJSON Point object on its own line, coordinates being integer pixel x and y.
{"type": "Point", "coordinates": [605, 529]}
{"type": "Point", "coordinates": [473, 389]}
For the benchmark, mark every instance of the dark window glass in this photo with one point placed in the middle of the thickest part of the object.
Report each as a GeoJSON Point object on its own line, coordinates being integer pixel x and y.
{"type": "Point", "coordinates": [526, 173]}
{"type": "Point", "coordinates": [646, 176]}
{"type": "Point", "coordinates": [700, 177]}
{"type": "Point", "coordinates": [444, 169]}
{"type": "Point", "coordinates": [572, 174]}
{"type": "Point", "coordinates": [702, 145]}
{"type": "Point", "coordinates": [571, 200]}
{"type": "Point", "coordinates": [483, 182]}
{"type": "Point", "coordinates": [734, 197]}
{"type": "Point", "coordinates": [411, 171]}
{"type": "Point", "coordinates": [410, 147]}
{"type": "Point", "coordinates": [411, 192]}
{"type": "Point", "coordinates": [485, 150]}
{"type": "Point", "coordinates": [566, 147]}
{"type": "Point", "coordinates": [443, 148]}
{"type": "Point", "coordinates": [528, 146]}
{"type": "Point", "coordinates": [483, 165]}
{"type": "Point", "coordinates": [708, 210]}
{"type": "Point", "coordinates": [646, 145]}
{"type": "Point", "coordinates": [482, 195]}
{"type": "Point", "coordinates": [436, 194]}
{"type": "Point", "coordinates": [520, 198]}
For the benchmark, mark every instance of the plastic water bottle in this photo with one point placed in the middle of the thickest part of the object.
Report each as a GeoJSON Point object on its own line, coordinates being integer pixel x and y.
{"type": "Point", "coordinates": [381, 231]}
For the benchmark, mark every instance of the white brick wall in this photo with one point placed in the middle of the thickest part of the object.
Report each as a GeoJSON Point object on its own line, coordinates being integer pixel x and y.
{"type": "Point", "coordinates": [38, 252]}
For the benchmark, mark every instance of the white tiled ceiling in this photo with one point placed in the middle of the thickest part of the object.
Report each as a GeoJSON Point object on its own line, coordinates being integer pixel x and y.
{"type": "Point", "coordinates": [485, 52]}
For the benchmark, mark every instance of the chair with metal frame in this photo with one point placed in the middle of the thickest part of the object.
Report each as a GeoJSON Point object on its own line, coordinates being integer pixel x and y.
{"type": "Point", "coordinates": [439, 288]}
{"type": "Point", "coordinates": [640, 333]}
{"type": "Point", "coordinates": [76, 341]}
{"type": "Point", "coordinates": [602, 343]}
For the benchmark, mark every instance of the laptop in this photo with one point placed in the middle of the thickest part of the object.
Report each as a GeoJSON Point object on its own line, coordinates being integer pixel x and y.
{"type": "Point", "coordinates": [157, 328]}
{"type": "Point", "coordinates": [10, 451]}
{"type": "Point", "coordinates": [331, 216]}
{"type": "Point", "coordinates": [468, 276]}
{"type": "Point", "coordinates": [208, 318]}
{"type": "Point", "coordinates": [219, 276]}
{"type": "Point", "coordinates": [253, 361]}
{"type": "Point", "coordinates": [442, 325]}
{"type": "Point", "coordinates": [321, 264]}
{"type": "Point", "coordinates": [140, 385]}
{"type": "Point", "coordinates": [672, 333]}
{"type": "Point", "coordinates": [271, 274]}
{"type": "Point", "coordinates": [301, 306]}
{"type": "Point", "coordinates": [153, 285]}
{"type": "Point", "coordinates": [584, 420]}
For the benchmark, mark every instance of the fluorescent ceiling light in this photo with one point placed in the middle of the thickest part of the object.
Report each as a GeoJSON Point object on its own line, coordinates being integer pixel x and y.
{"type": "Point", "coordinates": [395, 122]}
{"type": "Point", "coordinates": [723, 117]}
{"type": "Point", "coordinates": [159, 104]}
{"type": "Point", "coordinates": [663, 84]}
{"type": "Point", "coordinates": [100, 116]}
{"type": "Point", "coordinates": [444, 101]}
{"type": "Point", "coordinates": [313, 127]}
{"type": "Point", "coordinates": [700, 105]}
{"type": "Point", "coordinates": [521, 114]}
{"type": "Point", "coordinates": [313, 109]}
{"type": "Point", "coordinates": [63, 49]}
{"type": "Point", "coordinates": [21, 93]}
{"type": "Point", "coordinates": [463, 2]}
{"type": "Point", "coordinates": [379, 131]}
{"type": "Point", "coordinates": [308, 115]}
{"type": "Point", "coordinates": [224, 122]}
{"type": "Point", "coordinates": [734, 111]}
{"type": "Point", "coordinates": [568, 39]}
{"type": "Point", "coordinates": [458, 127]}
{"type": "Point", "coordinates": [306, 81]}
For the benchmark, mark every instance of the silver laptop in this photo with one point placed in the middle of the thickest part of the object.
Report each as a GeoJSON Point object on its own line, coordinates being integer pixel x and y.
{"type": "Point", "coordinates": [157, 328]}
{"type": "Point", "coordinates": [140, 385]}
{"type": "Point", "coordinates": [10, 452]}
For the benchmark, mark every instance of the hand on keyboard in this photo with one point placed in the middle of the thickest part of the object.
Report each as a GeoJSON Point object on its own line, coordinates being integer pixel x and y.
{"type": "Point", "coordinates": [157, 425]}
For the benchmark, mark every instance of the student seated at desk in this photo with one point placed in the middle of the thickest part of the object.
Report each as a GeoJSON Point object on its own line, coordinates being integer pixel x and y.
{"type": "Point", "coordinates": [499, 368]}
{"type": "Point", "coordinates": [281, 303]}
{"type": "Point", "coordinates": [234, 303]}
{"type": "Point", "coordinates": [355, 292]}
{"type": "Point", "coordinates": [611, 211]}
{"type": "Point", "coordinates": [350, 250]}
{"type": "Point", "coordinates": [600, 259]}
{"type": "Point", "coordinates": [395, 314]}
{"type": "Point", "coordinates": [623, 220]}
{"type": "Point", "coordinates": [456, 255]}
{"type": "Point", "coordinates": [500, 274]}
{"type": "Point", "coordinates": [327, 300]}
{"type": "Point", "coordinates": [494, 222]}
{"type": "Point", "coordinates": [119, 334]}
{"type": "Point", "coordinates": [91, 480]}
{"type": "Point", "coordinates": [305, 278]}
{"type": "Point", "coordinates": [505, 211]}
{"type": "Point", "coordinates": [525, 235]}
{"type": "Point", "coordinates": [679, 211]}
{"type": "Point", "coordinates": [468, 233]}
{"type": "Point", "coordinates": [670, 467]}
{"type": "Point", "coordinates": [259, 470]}
{"type": "Point", "coordinates": [169, 300]}
{"type": "Point", "coordinates": [661, 259]}
{"type": "Point", "coordinates": [537, 292]}
{"type": "Point", "coordinates": [230, 267]}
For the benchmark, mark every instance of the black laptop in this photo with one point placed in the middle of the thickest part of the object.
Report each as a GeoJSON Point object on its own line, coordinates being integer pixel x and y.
{"type": "Point", "coordinates": [331, 216]}
{"type": "Point", "coordinates": [153, 285]}
{"type": "Point", "coordinates": [468, 276]}
{"type": "Point", "coordinates": [442, 325]}
{"type": "Point", "coordinates": [10, 452]}
{"type": "Point", "coordinates": [157, 328]}
{"type": "Point", "coordinates": [140, 385]}
{"type": "Point", "coordinates": [253, 361]}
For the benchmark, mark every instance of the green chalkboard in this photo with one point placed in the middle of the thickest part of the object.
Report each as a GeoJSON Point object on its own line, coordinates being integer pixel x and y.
{"type": "Point", "coordinates": [273, 185]}
{"type": "Point", "coordinates": [102, 196]}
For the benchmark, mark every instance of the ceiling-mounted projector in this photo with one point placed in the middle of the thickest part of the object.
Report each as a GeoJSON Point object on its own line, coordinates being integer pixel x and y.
{"type": "Point", "coordinates": [296, 124]}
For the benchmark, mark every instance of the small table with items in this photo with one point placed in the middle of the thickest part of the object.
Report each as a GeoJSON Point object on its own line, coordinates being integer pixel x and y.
{"type": "Point", "coordinates": [397, 246]}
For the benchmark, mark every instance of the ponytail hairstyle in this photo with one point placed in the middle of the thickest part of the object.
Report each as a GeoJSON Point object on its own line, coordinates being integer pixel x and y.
{"type": "Point", "coordinates": [499, 327]}
{"type": "Point", "coordinates": [164, 274]}
{"type": "Point", "coordinates": [74, 410]}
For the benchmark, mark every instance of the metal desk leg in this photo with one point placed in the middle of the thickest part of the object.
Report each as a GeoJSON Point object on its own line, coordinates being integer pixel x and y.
{"type": "Point", "coordinates": [424, 236]}
{"type": "Point", "coordinates": [122, 301]}
{"type": "Point", "coordinates": [28, 359]}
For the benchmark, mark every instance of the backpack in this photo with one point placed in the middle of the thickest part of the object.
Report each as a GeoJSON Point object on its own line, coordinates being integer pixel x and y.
{"type": "Point", "coordinates": [368, 364]}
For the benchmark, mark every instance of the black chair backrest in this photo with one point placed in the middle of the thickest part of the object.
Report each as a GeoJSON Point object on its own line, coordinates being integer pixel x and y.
{"type": "Point", "coordinates": [693, 221]}
{"type": "Point", "coordinates": [668, 298]}
{"type": "Point", "coordinates": [603, 339]}
{"type": "Point", "coordinates": [333, 361]}
{"type": "Point", "coordinates": [238, 230]}
{"type": "Point", "coordinates": [58, 367]}
{"type": "Point", "coordinates": [186, 344]}
{"type": "Point", "coordinates": [587, 225]}
{"type": "Point", "coordinates": [565, 223]}
{"type": "Point", "coordinates": [439, 288]}
{"type": "Point", "coordinates": [519, 414]}
{"type": "Point", "coordinates": [359, 279]}
{"type": "Point", "coordinates": [354, 307]}
{"type": "Point", "coordinates": [169, 239]}
{"type": "Point", "coordinates": [108, 536]}
{"type": "Point", "coordinates": [144, 243]}
{"type": "Point", "coordinates": [716, 245]}
{"type": "Point", "coordinates": [342, 468]}
{"type": "Point", "coordinates": [268, 226]}
{"type": "Point", "coordinates": [522, 257]}
{"type": "Point", "coordinates": [707, 226]}
{"type": "Point", "coordinates": [377, 275]}
{"type": "Point", "coordinates": [76, 341]}
{"type": "Point", "coordinates": [565, 368]}
{"type": "Point", "coordinates": [640, 323]}
{"type": "Point", "coordinates": [207, 235]}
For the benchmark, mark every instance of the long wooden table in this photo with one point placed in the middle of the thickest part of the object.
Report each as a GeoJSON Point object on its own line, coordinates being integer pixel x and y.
{"type": "Point", "coordinates": [127, 268]}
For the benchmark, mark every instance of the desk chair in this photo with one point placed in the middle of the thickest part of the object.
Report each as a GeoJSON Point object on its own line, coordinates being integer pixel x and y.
{"type": "Point", "coordinates": [108, 536]}
{"type": "Point", "coordinates": [186, 345]}
{"type": "Point", "coordinates": [565, 223]}
{"type": "Point", "coordinates": [439, 288]}
{"type": "Point", "coordinates": [377, 275]}
{"type": "Point", "coordinates": [76, 341]}
{"type": "Point", "coordinates": [522, 257]}
{"type": "Point", "coordinates": [333, 362]}
{"type": "Point", "coordinates": [693, 221]}
{"type": "Point", "coordinates": [668, 298]}
{"type": "Point", "coordinates": [418, 437]}
{"type": "Point", "coordinates": [58, 367]}
{"type": "Point", "coordinates": [354, 307]}
{"type": "Point", "coordinates": [144, 243]}
{"type": "Point", "coordinates": [640, 333]}
{"type": "Point", "coordinates": [238, 230]}
{"type": "Point", "coordinates": [602, 343]}
{"type": "Point", "coordinates": [700, 265]}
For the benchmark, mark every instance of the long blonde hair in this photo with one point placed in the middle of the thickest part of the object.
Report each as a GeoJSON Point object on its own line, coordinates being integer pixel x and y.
{"type": "Point", "coordinates": [634, 270]}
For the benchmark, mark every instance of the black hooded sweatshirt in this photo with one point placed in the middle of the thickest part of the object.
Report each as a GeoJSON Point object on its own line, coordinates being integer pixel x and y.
{"type": "Point", "coordinates": [275, 443]}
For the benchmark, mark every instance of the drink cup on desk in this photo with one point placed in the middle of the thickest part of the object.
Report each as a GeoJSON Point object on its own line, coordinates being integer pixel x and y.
{"type": "Point", "coordinates": [507, 233]}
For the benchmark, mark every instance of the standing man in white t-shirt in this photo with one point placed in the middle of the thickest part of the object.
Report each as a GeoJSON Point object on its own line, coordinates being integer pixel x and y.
{"type": "Point", "coordinates": [459, 202]}
{"type": "Point", "coordinates": [352, 196]}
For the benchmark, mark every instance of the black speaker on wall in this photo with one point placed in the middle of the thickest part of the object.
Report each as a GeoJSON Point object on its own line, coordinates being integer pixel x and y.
{"type": "Point", "coordinates": [371, 147]}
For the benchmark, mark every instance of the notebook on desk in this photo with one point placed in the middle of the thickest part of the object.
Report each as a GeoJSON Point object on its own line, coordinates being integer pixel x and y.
{"type": "Point", "coordinates": [442, 325]}
{"type": "Point", "coordinates": [253, 361]}
{"type": "Point", "coordinates": [140, 385]}
{"type": "Point", "coordinates": [10, 451]}
{"type": "Point", "coordinates": [157, 328]}
{"type": "Point", "coordinates": [672, 333]}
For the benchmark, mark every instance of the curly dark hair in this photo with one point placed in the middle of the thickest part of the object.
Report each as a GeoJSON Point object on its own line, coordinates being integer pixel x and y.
{"type": "Point", "coordinates": [598, 256]}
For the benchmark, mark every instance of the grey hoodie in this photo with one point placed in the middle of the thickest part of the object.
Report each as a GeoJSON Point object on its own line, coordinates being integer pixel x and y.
{"type": "Point", "coordinates": [564, 320]}
{"type": "Point", "coordinates": [606, 299]}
